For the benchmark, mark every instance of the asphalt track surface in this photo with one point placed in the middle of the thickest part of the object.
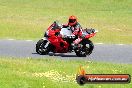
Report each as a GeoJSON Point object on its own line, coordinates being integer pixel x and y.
{"type": "Point", "coordinates": [114, 53]}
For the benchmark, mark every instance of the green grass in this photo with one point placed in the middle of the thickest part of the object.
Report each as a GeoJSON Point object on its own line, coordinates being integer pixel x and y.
{"type": "Point", "coordinates": [28, 19]}
{"type": "Point", "coordinates": [49, 73]}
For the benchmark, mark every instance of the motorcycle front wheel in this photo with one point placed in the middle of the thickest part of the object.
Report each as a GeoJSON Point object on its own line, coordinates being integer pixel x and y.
{"type": "Point", "coordinates": [42, 47]}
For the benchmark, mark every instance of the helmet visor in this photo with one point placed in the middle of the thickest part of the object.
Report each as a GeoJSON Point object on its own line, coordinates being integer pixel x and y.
{"type": "Point", "coordinates": [72, 20]}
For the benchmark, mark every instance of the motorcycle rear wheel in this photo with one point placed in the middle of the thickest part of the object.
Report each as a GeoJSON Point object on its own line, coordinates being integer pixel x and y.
{"type": "Point", "coordinates": [85, 50]}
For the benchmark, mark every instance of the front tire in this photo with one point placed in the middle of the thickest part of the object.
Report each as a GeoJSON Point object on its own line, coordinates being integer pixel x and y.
{"type": "Point", "coordinates": [86, 49]}
{"type": "Point", "coordinates": [41, 47]}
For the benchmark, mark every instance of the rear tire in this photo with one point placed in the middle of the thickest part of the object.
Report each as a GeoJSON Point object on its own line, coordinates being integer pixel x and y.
{"type": "Point", "coordinates": [85, 50]}
{"type": "Point", "coordinates": [40, 47]}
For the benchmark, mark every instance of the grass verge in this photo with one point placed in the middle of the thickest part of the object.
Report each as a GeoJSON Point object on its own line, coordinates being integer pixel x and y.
{"type": "Point", "coordinates": [57, 73]}
{"type": "Point", "coordinates": [28, 19]}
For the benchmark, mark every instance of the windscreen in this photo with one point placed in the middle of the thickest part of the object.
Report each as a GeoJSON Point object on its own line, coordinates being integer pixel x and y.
{"type": "Point", "coordinates": [66, 31]}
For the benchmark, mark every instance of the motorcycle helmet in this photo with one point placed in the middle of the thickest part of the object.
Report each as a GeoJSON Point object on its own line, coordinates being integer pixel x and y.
{"type": "Point", "coordinates": [72, 20]}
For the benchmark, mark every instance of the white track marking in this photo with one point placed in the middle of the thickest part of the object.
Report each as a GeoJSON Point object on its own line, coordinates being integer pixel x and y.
{"type": "Point", "coordinates": [28, 40]}
{"type": "Point", "coordinates": [120, 44]}
{"type": "Point", "coordinates": [11, 39]}
{"type": "Point", "coordinates": [99, 43]}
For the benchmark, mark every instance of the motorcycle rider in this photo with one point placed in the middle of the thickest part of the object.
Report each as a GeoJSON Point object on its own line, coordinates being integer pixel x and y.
{"type": "Point", "coordinates": [75, 28]}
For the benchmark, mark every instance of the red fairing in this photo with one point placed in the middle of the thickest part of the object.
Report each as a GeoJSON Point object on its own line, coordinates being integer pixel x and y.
{"type": "Point", "coordinates": [52, 32]}
{"type": "Point", "coordinates": [57, 40]}
{"type": "Point", "coordinates": [50, 27]}
{"type": "Point", "coordinates": [90, 35]}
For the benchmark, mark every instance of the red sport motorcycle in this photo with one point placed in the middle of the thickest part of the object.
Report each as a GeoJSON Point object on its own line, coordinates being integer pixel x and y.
{"type": "Point", "coordinates": [60, 41]}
